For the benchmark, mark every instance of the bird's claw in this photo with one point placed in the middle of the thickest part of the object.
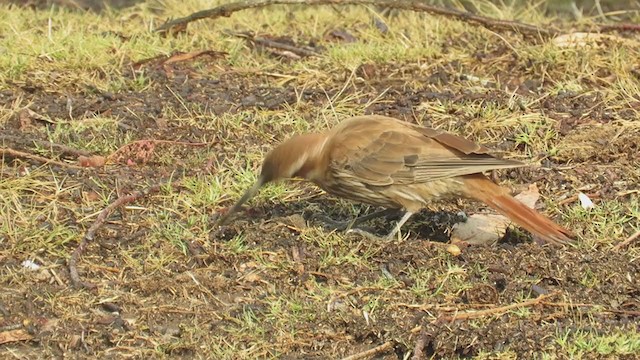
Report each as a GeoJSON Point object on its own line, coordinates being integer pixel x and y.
{"type": "Point", "coordinates": [368, 235]}
{"type": "Point", "coordinates": [331, 224]}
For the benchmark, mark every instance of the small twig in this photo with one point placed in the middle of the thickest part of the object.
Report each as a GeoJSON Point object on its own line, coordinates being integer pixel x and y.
{"type": "Point", "coordinates": [371, 352]}
{"type": "Point", "coordinates": [227, 9]}
{"type": "Point", "coordinates": [480, 313]}
{"type": "Point", "coordinates": [36, 158]}
{"type": "Point", "coordinates": [63, 149]}
{"type": "Point", "coordinates": [619, 27]}
{"type": "Point", "coordinates": [358, 290]}
{"type": "Point", "coordinates": [298, 51]}
{"type": "Point", "coordinates": [574, 198]}
{"type": "Point", "coordinates": [613, 311]}
{"type": "Point", "coordinates": [280, 46]}
{"type": "Point", "coordinates": [628, 241]}
{"type": "Point", "coordinates": [100, 220]}
{"type": "Point", "coordinates": [418, 349]}
{"type": "Point", "coordinates": [441, 307]}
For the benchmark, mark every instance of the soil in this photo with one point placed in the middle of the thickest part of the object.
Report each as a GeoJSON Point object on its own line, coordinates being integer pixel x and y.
{"type": "Point", "coordinates": [144, 313]}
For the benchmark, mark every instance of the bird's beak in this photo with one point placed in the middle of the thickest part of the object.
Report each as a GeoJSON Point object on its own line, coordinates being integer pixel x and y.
{"type": "Point", "coordinates": [247, 195]}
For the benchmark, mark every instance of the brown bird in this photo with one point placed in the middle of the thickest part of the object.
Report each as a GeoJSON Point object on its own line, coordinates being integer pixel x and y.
{"type": "Point", "coordinates": [386, 162]}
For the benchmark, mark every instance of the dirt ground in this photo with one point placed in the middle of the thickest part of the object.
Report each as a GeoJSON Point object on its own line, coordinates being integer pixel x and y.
{"type": "Point", "coordinates": [276, 283]}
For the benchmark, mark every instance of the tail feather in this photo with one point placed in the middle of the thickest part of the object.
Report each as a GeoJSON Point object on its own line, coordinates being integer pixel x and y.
{"type": "Point", "coordinates": [485, 190]}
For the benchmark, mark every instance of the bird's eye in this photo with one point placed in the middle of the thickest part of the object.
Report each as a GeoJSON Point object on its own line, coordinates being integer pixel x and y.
{"type": "Point", "coordinates": [411, 159]}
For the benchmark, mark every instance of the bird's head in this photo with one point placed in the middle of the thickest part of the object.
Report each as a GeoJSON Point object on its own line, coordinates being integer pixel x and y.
{"type": "Point", "coordinates": [300, 156]}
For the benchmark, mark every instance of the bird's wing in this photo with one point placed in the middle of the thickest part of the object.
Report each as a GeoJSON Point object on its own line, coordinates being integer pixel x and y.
{"type": "Point", "coordinates": [400, 153]}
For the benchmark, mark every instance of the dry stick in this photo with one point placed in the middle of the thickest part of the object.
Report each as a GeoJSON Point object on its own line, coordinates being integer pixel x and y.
{"type": "Point", "coordinates": [628, 241]}
{"type": "Point", "coordinates": [371, 352]}
{"type": "Point", "coordinates": [280, 46]}
{"type": "Point", "coordinates": [90, 235]}
{"type": "Point", "coordinates": [36, 158]}
{"type": "Point", "coordinates": [418, 349]}
{"type": "Point", "coordinates": [227, 9]}
{"type": "Point", "coordinates": [613, 311]}
{"type": "Point", "coordinates": [273, 44]}
{"type": "Point", "coordinates": [65, 150]}
{"type": "Point", "coordinates": [480, 313]}
{"type": "Point", "coordinates": [619, 27]}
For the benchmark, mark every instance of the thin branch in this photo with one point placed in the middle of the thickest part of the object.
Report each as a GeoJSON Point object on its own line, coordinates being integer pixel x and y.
{"type": "Point", "coordinates": [371, 352]}
{"type": "Point", "coordinates": [100, 220]}
{"type": "Point", "coordinates": [267, 43]}
{"type": "Point", "coordinates": [628, 241]}
{"type": "Point", "coordinates": [571, 305]}
{"type": "Point", "coordinates": [63, 149]}
{"type": "Point", "coordinates": [493, 311]}
{"type": "Point", "coordinates": [619, 27]}
{"type": "Point", "coordinates": [36, 158]}
{"type": "Point", "coordinates": [421, 343]}
{"type": "Point", "coordinates": [228, 9]}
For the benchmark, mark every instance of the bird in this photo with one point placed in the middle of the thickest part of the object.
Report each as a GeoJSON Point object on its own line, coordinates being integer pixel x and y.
{"type": "Point", "coordinates": [387, 162]}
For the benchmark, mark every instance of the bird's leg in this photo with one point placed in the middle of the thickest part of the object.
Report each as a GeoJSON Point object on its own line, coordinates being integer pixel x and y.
{"type": "Point", "coordinates": [396, 229]}
{"type": "Point", "coordinates": [345, 225]}
{"type": "Point", "coordinates": [391, 235]}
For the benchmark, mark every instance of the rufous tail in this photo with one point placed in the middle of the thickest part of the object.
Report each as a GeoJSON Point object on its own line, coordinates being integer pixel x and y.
{"type": "Point", "coordinates": [481, 188]}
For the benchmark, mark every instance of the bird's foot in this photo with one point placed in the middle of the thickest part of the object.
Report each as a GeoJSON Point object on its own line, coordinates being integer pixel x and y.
{"type": "Point", "coordinates": [346, 225]}
{"type": "Point", "coordinates": [371, 236]}
{"type": "Point", "coordinates": [367, 234]}
{"type": "Point", "coordinates": [331, 224]}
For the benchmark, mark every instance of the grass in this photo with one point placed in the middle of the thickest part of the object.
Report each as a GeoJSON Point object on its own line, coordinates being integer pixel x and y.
{"type": "Point", "coordinates": [581, 343]}
{"type": "Point", "coordinates": [267, 288]}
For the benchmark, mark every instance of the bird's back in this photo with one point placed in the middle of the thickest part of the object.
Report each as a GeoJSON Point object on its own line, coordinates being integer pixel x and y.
{"type": "Point", "coordinates": [388, 162]}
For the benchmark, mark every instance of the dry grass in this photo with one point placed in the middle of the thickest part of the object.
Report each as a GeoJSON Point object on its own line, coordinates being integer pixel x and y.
{"type": "Point", "coordinates": [272, 286]}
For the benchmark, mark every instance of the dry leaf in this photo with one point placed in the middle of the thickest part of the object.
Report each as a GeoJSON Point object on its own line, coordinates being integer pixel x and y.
{"type": "Point", "coordinates": [295, 222]}
{"type": "Point", "coordinates": [252, 277]}
{"type": "Point", "coordinates": [91, 161]}
{"type": "Point", "coordinates": [14, 335]}
{"type": "Point", "coordinates": [454, 250]}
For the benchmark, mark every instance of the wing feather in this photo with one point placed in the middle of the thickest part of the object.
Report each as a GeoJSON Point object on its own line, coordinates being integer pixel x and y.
{"type": "Point", "coordinates": [383, 151]}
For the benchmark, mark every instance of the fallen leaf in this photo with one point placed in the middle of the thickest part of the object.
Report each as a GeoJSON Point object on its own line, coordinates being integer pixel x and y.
{"type": "Point", "coordinates": [91, 196]}
{"type": "Point", "coordinates": [454, 250]}
{"type": "Point", "coordinates": [137, 152]}
{"type": "Point", "coordinates": [91, 161]}
{"type": "Point", "coordinates": [14, 335]}
{"type": "Point", "coordinates": [295, 222]}
{"type": "Point", "coordinates": [27, 117]}
{"type": "Point", "coordinates": [252, 277]}
{"type": "Point", "coordinates": [340, 35]}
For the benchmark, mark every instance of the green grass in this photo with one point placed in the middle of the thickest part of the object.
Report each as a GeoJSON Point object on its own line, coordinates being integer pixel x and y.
{"type": "Point", "coordinates": [269, 288]}
{"type": "Point", "coordinates": [581, 344]}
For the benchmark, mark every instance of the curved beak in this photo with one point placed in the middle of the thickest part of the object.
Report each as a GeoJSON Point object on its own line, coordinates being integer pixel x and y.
{"type": "Point", "coordinates": [251, 192]}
